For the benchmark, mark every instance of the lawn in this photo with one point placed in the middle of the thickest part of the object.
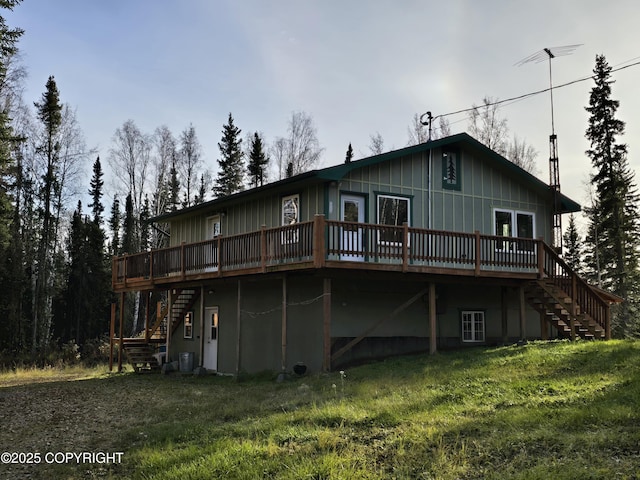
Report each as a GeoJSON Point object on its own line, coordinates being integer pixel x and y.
{"type": "Point", "coordinates": [557, 410]}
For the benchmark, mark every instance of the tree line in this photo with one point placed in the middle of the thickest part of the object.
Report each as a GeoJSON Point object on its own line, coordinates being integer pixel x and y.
{"type": "Point", "coordinates": [55, 252]}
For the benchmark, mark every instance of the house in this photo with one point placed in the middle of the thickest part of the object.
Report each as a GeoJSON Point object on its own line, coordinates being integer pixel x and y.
{"type": "Point", "coordinates": [445, 244]}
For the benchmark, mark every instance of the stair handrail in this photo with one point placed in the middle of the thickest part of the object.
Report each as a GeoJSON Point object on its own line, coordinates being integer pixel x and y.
{"type": "Point", "coordinates": [160, 317]}
{"type": "Point", "coordinates": [587, 299]}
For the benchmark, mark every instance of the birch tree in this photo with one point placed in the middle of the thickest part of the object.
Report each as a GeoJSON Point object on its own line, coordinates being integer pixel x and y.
{"type": "Point", "coordinates": [129, 159]}
{"type": "Point", "coordinates": [488, 127]}
{"type": "Point", "coordinates": [190, 164]}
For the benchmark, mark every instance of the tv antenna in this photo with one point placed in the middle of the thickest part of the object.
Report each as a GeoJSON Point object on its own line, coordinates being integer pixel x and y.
{"type": "Point", "coordinates": [554, 167]}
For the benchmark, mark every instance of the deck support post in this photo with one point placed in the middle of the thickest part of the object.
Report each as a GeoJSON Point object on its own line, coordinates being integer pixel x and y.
{"type": "Point", "coordinates": [326, 324]}
{"type": "Point", "coordinates": [574, 311]}
{"type": "Point", "coordinates": [112, 332]}
{"type": "Point", "coordinates": [202, 320]}
{"type": "Point", "coordinates": [284, 324]}
{"type": "Point", "coordinates": [147, 299]}
{"type": "Point", "coordinates": [523, 314]}
{"type": "Point", "coordinates": [505, 314]}
{"type": "Point", "coordinates": [238, 328]}
{"type": "Point", "coordinates": [432, 319]}
{"type": "Point", "coordinates": [169, 323]}
{"type": "Point", "coordinates": [120, 345]}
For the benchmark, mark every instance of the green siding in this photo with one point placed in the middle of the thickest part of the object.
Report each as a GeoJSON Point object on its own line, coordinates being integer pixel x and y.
{"type": "Point", "coordinates": [248, 215]}
{"type": "Point", "coordinates": [483, 188]}
{"type": "Point", "coordinates": [471, 208]}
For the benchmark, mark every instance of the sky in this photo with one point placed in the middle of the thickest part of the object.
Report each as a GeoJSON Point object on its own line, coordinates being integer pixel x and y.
{"type": "Point", "coordinates": [358, 68]}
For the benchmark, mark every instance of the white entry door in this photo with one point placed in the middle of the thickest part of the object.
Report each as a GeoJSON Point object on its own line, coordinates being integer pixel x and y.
{"type": "Point", "coordinates": [352, 210]}
{"type": "Point", "coordinates": [210, 351]}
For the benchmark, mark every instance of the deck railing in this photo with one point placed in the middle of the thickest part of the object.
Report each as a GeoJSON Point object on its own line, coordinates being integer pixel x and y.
{"type": "Point", "coordinates": [349, 241]}
{"type": "Point", "coordinates": [320, 241]}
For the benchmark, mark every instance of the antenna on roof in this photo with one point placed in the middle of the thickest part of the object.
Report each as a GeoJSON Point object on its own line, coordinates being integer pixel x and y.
{"type": "Point", "coordinates": [554, 167]}
{"type": "Point", "coordinates": [428, 122]}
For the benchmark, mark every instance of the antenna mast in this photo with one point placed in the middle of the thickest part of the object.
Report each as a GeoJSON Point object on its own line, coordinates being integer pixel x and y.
{"type": "Point", "coordinates": [554, 164]}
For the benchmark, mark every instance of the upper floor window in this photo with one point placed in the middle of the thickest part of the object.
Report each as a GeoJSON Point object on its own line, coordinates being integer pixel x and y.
{"type": "Point", "coordinates": [290, 209]}
{"type": "Point", "coordinates": [512, 223]}
{"type": "Point", "coordinates": [290, 216]}
{"type": "Point", "coordinates": [213, 226]}
{"type": "Point", "coordinates": [395, 211]}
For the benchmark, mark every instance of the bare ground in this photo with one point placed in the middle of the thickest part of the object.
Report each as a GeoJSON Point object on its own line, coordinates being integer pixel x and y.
{"type": "Point", "coordinates": [69, 415]}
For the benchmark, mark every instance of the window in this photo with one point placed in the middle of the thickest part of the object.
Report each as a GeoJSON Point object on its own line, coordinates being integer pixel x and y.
{"type": "Point", "coordinates": [473, 326]}
{"type": "Point", "coordinates": [290, 216]}
{"type": "Point", "coordinates": [188, 325]}
{"type": "Point", "coordinates": [509, 223]}
{"type": "Point", "coordinates": [392, 211]}
{"type": "Point", "coordinates": [213, 226]}
{"type": "Point", "coordinates": [451, 170]}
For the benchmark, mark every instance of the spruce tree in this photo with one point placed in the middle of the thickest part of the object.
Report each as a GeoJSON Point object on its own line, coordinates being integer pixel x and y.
{"type": "Point", "coordinates": [572, 252]}
{"type": "Point", "coordinates": [129, 234]}
{"type": "Point", "coordinates": [49, 111]}
{"type": "Point", "coordinates": [349, 156]}
{"type": "Point", "coordinates": [614, 217]}
{"type": "Point", "coordinates": [145, 214]}
{"type": "Point", "coordinates": [114, 225]}
{"type": "Point", "coordinates": [12, 275]}
{"type": "Point", "coordinates": [258, 162]}
{"type": "Point", "coordinates": [96, 192]}
{"type": "Point", "coordinates": [231, 165]}
{"type": "Point", "coordinates": [202, 191]}
{"type": "Point", "coordinates": [174, 187]}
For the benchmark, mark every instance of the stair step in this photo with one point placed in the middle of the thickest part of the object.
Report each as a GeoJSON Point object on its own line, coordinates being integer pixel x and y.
{"type": "Point", "coordinates": [549, 299]}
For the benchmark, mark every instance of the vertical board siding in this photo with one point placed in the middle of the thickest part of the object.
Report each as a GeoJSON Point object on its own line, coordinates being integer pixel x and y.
{"type": "Point", "coordinates": [484, 188]}
{"type": "Point", "coordinates": [247, 216]}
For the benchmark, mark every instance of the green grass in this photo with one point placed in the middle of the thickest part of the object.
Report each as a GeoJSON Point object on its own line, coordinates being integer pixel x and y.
{"type": "Point", "coordinates": [557, 410]}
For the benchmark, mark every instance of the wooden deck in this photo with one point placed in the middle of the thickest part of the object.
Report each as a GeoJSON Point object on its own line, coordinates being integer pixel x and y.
{"type": "Point", "coordinates": [333, 244]}
{"type": "Point", "coordinates": [562, 297]}
{"type": "Point", "coordinates": [330, 244]}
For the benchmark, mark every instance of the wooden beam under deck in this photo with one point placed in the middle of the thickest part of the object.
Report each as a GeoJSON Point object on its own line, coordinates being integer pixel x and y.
{"type": "Point", "coordinates": [169, 282]}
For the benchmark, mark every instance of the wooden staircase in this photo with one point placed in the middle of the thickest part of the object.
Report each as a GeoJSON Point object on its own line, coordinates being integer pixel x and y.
{"type": "Point", "coordinates": [140, 351]}
{"type": "Point", "coordinates": [566, 301]}
{"type": "Point", "coordinates": [565, 313]}
{"type": "Point", "coordinates": [140, 355]}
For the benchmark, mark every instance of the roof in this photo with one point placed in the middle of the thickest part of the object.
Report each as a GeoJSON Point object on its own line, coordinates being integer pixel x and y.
{"type": "Point", "coordinates": [337, 172]}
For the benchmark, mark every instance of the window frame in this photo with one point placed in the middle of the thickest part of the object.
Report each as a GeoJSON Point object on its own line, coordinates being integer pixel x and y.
{"type": "Point", "coordinates": [290, 236]}
{"type": "Point", "coordinates": [513, 226]}
{"type": "Point", "coordinates": [473, 330]}
{"type": "Point", "coordinates": [379, 196]}
{"type": "Point", "coordinates": [211, 221]}
{"type": "Point", "coordinates": [188, 325]}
